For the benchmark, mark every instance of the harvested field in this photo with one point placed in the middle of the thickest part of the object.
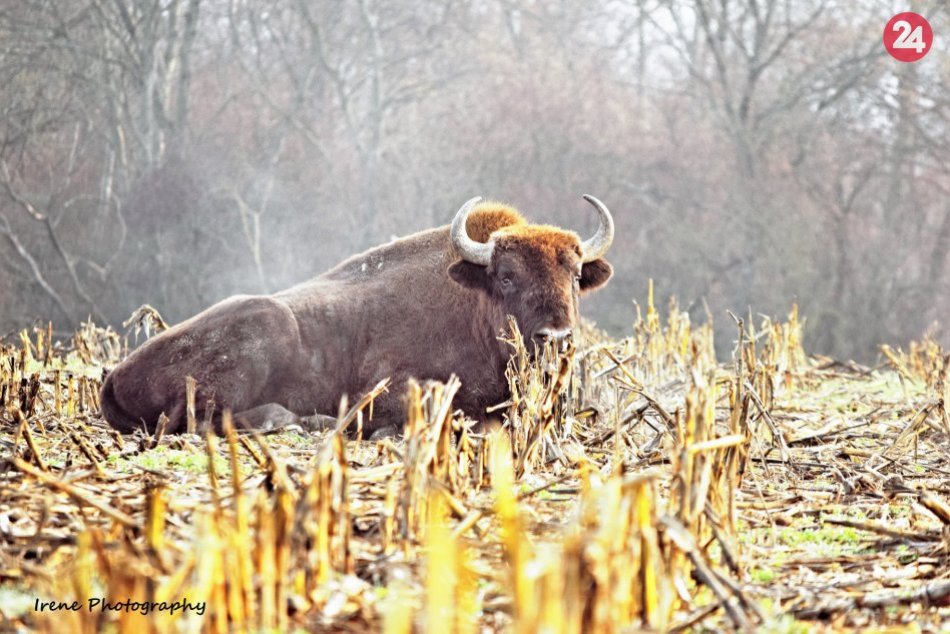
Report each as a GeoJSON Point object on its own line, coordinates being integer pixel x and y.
{"type": "Point", "coordinates": [636, 484]}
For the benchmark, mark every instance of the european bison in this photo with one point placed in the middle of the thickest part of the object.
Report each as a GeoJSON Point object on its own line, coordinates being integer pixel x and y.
{"type": "Point", "coordinates": [425, 306]}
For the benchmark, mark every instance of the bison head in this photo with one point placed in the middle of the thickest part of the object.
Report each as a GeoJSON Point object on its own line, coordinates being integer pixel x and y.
{"type": "Point", "coordinates": [535, 272]}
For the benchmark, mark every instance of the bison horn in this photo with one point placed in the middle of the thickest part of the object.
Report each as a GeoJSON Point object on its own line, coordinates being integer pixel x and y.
{"type": "Point", "coordinates": [470, 250]}
{"type": "Point", "coordinates": [597, 246]}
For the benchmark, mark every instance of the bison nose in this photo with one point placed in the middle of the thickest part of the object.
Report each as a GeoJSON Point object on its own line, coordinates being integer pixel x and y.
{"type": "Point", "coordinates": [560, 336]}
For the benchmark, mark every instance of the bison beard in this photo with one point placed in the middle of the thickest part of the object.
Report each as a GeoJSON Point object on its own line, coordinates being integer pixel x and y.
{"type": "Point", "coordinates": [426, 306]}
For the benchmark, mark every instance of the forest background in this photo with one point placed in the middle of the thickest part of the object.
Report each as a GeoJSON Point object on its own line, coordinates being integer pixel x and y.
{"type": "Point", "coordinates": [754, 153]}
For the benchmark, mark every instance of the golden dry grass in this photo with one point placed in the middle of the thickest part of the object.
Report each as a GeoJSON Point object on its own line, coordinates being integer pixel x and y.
{"type": "Point", "coordinates": [635, 484]}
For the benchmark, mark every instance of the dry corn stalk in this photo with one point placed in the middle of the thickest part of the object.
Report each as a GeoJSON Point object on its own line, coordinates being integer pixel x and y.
{"type": "Point", "coordinates": [656, 354]}
{"type": "Point", "coordinates": [432, 460]}
{"type": "Point", "coordinates": [611, 572]}
{"type": "Point", "coordinates": [451, 587]}
{"type": "Point", "coordinates": [535, 409]}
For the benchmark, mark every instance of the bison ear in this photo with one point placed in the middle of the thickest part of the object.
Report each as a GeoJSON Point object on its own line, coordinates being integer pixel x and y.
{"type": "Point", "coordinates": [471, 275]}
{"type": "Point", "coordinates": [595, 274]}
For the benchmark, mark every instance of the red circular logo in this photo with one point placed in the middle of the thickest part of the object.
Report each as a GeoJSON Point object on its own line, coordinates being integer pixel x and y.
{"type": "Point", "coordinates": [908, 36]}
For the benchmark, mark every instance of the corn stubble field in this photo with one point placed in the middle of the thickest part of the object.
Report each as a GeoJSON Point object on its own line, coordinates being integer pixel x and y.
{"type": "Point", "coordinates": [636, 484]}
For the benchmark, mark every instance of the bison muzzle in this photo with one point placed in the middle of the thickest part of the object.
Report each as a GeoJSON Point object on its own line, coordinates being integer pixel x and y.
{"type": "Point", "coordinates": [425, 306]}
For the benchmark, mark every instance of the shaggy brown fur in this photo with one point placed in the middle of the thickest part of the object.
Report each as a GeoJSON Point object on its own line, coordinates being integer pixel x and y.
{"type": "Point", "coordinates": [409, 308]}
{"type": "Point", "coordinates": [490, 216]}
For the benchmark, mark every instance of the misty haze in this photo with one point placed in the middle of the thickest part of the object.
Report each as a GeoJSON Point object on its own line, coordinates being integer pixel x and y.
{"type": "Point", "coordinates": [175, 153]}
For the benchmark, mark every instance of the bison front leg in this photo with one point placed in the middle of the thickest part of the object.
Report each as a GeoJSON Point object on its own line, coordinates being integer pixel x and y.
{"type": "Point", "coordinates": [389, 412]}
{"type": "Point", "coordinates": [273, 416]}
